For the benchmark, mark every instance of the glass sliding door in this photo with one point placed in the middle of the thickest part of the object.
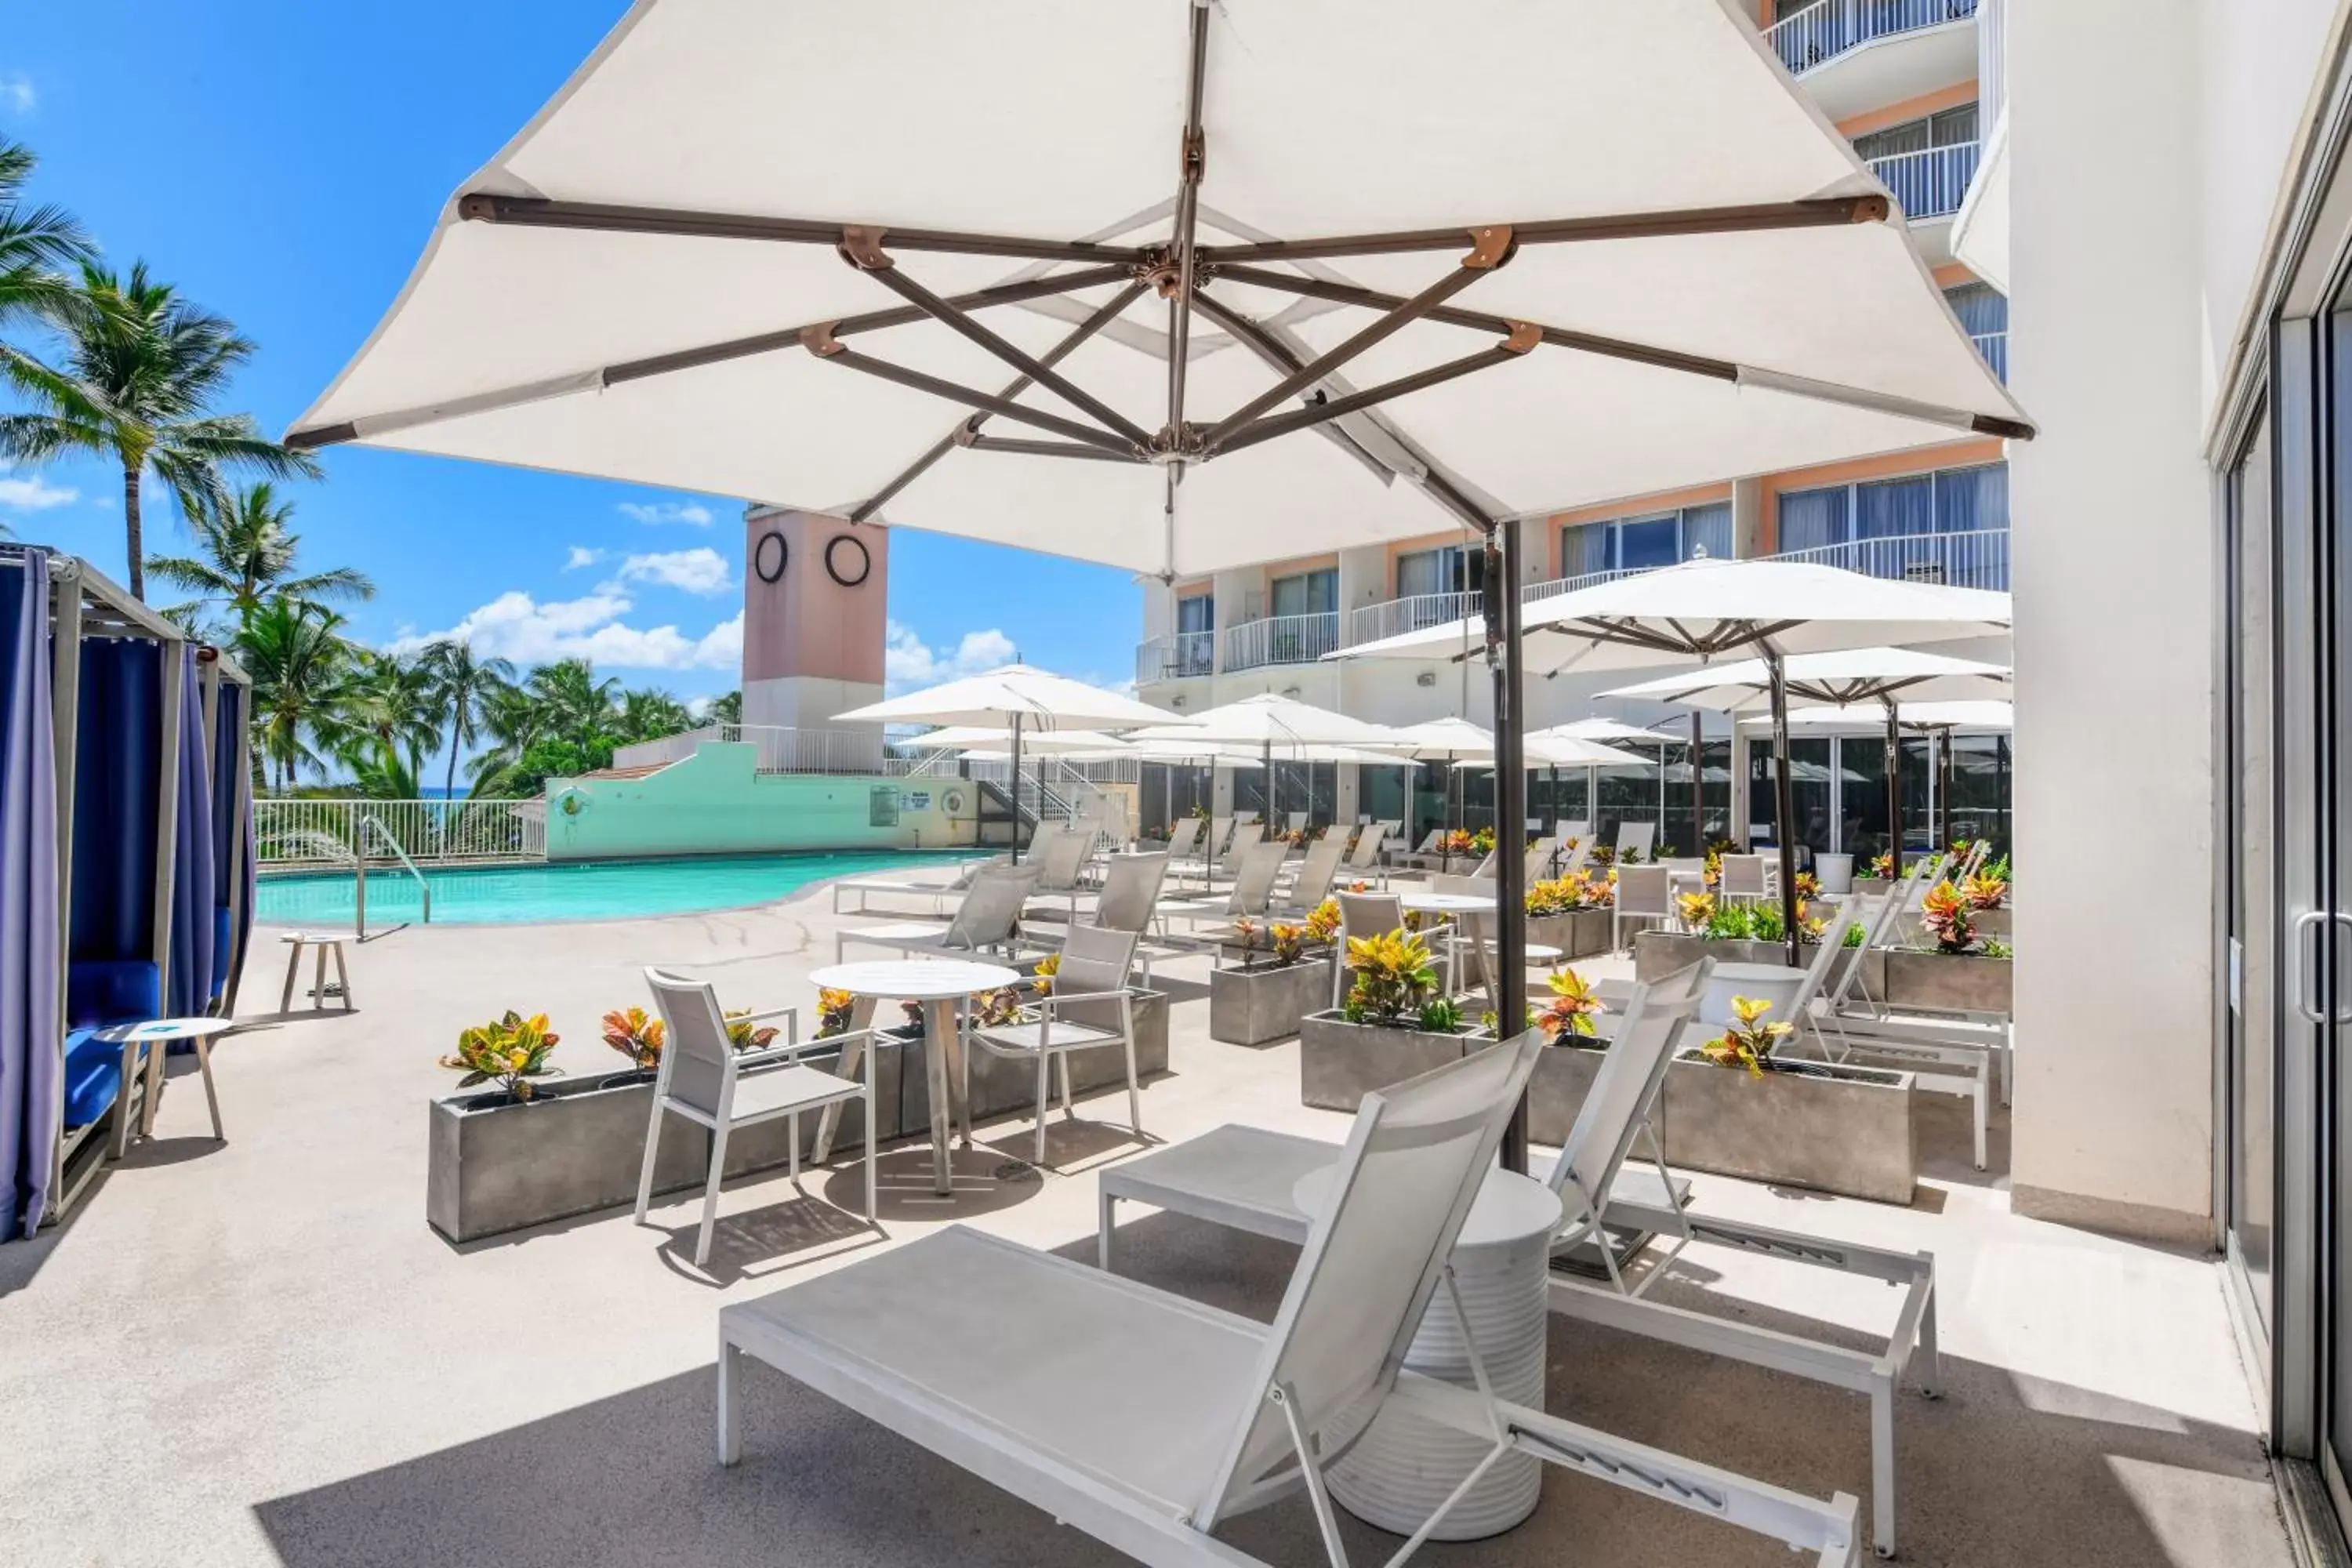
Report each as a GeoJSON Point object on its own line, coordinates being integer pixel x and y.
{"type": "Point", "coordinates": [2251, 951]}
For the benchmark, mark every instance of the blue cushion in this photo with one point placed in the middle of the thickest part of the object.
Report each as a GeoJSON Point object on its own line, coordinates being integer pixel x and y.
{"type": "Point", "coordinates": [112, 991]}
{"type": "Point", "coordinates": [93, 1077]}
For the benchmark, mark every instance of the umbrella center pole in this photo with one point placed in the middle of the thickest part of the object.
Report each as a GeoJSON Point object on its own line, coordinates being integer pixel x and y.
{"type": "Point", "coordinates": [1784, 799]}
{"type": "Point", "coordinates": [1505, 660]}
{"type": "Point", "coordinates": [1893, 794]}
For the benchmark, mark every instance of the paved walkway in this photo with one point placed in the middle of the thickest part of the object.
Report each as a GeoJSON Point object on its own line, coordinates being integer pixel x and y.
{"type": "Point", "coordinates": [258, 1354]}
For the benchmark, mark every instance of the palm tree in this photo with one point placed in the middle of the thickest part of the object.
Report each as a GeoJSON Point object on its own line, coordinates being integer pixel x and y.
{"type": "Point", "coordinates": [649, 714]}
{"type": "Point", "coordinates": [385, 710]}
{"type": "Point", "coordinates": [577, 706]}
{"type": "Point", "coordinates": [301, 666]}
{"type": "Point", "coordinates": [34, 244]}
{"type": "Point", "coordinates": [246, 553]}
{"type": "Point", "coordinates": [462, 684]}
{"type": "Point", "coordinates": [727, 710]}
{"type": "Point", "coordinates": [142, 369]}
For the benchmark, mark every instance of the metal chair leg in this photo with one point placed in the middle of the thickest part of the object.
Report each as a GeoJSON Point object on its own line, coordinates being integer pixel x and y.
{"type": "Point", "coordinates": [645, 1173]}
{"type": "Point", "coordinates": [212, 1097]}
{"type": "Point", "coordinates": [293, 969]}
{"type": "Point", "coordinates": [1045, 1099]}
{"type": "Point", "coordinates": [710, 1194]}
{"type": "Point", "coordinates": [343, 978]}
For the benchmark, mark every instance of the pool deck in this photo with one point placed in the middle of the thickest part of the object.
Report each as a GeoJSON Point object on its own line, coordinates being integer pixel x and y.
{"type": "Point", "coordinates": [258, 1354]}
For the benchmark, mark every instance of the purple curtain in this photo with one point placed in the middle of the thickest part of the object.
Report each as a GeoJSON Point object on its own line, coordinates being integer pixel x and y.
{"type": "Point", "coordinates": [30, 1045]}
{"type": "Point", "coordinates": [188, 986]}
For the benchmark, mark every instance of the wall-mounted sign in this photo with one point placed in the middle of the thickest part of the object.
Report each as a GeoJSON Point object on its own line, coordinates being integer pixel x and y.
{"type": "Point", "coordinates": [918, 800]}
{"type": "Point", "coordinates": [769, 556]}
{"type": "Point", "coordinates": [845, 561]}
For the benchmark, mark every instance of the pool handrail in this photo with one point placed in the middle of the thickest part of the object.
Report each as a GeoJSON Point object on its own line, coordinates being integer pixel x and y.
{"type": "Point", "coordinates": [359, 870]}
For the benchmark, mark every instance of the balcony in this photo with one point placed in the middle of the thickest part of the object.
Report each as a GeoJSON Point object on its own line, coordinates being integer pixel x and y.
{"type": "Point", "coordinates": [1857, 55]}
{"type": "Point", "coordinates": [1932, 184]}
{"type": "Point", "coordinates": [1370, 623]}
{"type": "Point", "coordinates": [1979, 559]}
{"type": "Point", "coordinates": [1175, 658]}
{"type": "Point", "coordinates": [1994, 347]}
{"type": "Point", "coordinates": [1282, 639]}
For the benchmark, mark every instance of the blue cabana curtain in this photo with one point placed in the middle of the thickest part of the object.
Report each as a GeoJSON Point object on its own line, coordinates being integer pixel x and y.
{"type": "Point", "coordinates": [31, 1069]}
{"type": "Point", "coordinates": [116, 753]}
{"type": "Point", "coordinates": [188, 984]}
{"type": "Point", "coordinates": [232, 821]}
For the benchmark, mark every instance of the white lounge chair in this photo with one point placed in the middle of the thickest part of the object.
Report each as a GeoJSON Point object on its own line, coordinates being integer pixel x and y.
{"type": "Point", "coordinates": [1633, 839]}
{"type": "Point", "coordinates": [1091, 1007]}
{"type": "Point", "coordinates": [988, 918]}
{"type": "Point", "coordinates": [1184, 845]}
{"type": "Point", "coordinates": [705, 1080]}
{"type": "Point", "coordinates": [1316, 872]}
{"type": "Point", "coordinates": [937, 893]}
{"type": "Point", "coordinates": [1424, 857]}
{"type": "Point", "coordinates": [1252, 895]}
{"type": "Point", "coordinates": [1244, 1177]}
{"type": "Point", "coordinates": [1294, 822]}
{"type": "Point", "coordinates": [1363, 857]}
{"type": "Point", "coordinates": [1147, 1421]}
{"type": "Point", "coordinates": [1645, 893]}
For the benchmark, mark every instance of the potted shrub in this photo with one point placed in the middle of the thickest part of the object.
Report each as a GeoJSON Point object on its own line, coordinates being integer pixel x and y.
{"type": "Point", "coordinates": [1264, 996]}
{"type": "Point", "coordinates": [1393, 1025]}
{"type": "Point", "coordinates": [1731, 933]}
{"type": "Point", "coordinates": [1963, 971]}
{"type": "Point", "coordinates": [1573, 1025]}
{"type": "Point", "coordinates": [1988, 896]}
{"type": "Point", "coordinates": [1736, 1107]}
{"type": "Point", "coordinates": [528, 1150]}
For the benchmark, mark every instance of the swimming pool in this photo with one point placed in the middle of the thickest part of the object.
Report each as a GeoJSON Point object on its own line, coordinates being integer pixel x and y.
{"type": "Point", "coordinates": [590, 891]}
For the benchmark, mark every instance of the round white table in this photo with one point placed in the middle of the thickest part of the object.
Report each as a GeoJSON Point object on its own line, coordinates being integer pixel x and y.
{"type": "Point", "coordinates": [1460, 906]}
{"type": "Point", "coordinates": [153, 1036]}
{"type": "Point", "coordinates": [1404, 1467]}
{"type": "Point", "coordinates": [941, 985]}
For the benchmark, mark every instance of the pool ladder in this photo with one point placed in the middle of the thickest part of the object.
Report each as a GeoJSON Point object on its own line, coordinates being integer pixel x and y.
{"type": "Point", "coordinates": [358, 873]}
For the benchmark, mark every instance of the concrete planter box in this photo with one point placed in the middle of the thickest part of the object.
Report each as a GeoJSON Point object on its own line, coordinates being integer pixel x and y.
{"type": "Point", "coordinates": [1658, 954]}
{"type": "Point", "coordinates": [494, 1165]}
{"type": "Point", "coordinates": [1003, 1087]}
{"type": "Point", "coordinates": [1999, 922]}
{"type": "Point", "coordinates": [1872, 887]}
{"type": "Point", "coordinates": [1563, 1077]}
{"type": "Point", "coordinates": [1579, 934]}
{"type": "Point", "coordinates": [1252, 1007]}
{"type": "Point", "coordinates": [1339, 1062]}
{"type": "Point", "coordinates": [1959, 982]}
{"type": "Point", "coordinates": [1834, 1129]}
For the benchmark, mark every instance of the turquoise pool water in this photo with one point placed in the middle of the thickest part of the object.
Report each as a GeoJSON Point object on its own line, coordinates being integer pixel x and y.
{"type": "Point", "coordinates": [593, 890]}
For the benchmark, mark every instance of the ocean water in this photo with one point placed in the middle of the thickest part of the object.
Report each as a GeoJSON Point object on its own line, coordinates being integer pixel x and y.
{"type": "Point", "coordinates": [593, 890]}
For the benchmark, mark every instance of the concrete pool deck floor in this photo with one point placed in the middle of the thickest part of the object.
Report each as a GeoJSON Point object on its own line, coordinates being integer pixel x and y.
{"type": "Point", "coordinates": [258, 1353]}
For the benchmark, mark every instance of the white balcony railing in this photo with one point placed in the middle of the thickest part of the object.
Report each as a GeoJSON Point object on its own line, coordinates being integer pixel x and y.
{"type": "Point", "coordinates": [1974, 560]}
{"type": "Point", "coordinates": [1930, 183]}
{"type": "Point", "coordinates": [1282, 639]}
{"type": "Point", "coordinates": [1994, 347]}
{"type": "Point", "coordinates": [1828, 28]}
{"type": "Point", "coordinates": [326, 835]}
{"type": "Point", "coordinates": [1176, 657]}
{"type": "Point", "coordinates": [1529, 593]}
{"type": "Point", "coordinates": [1370, 623]}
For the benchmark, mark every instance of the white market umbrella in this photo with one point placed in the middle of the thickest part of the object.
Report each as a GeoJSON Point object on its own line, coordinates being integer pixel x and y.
{"type": "Point", "coordinates": [1174, 285]}
{"type": "Point", "coordinates": [1605, 730]}
{"type": "Point", "coordinates": [1272, 723]}
{"type": "Point", "coordinates": [983, 736]}
{"type": "Point", "coordinates": [1601, 730]}
{"type": "Point", "coordinates": [1444, 740]}
{"type": "Point", "coordinates": [1708, 609]}
{"type": "Point", "coordinates": [1006, 700]}
{"type": "Point", "coordinates": [1939, 721]}
{"type": "Point", "coordinates": [1885, 676]}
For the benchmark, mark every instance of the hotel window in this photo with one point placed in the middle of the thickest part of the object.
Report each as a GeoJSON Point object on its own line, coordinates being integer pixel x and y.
{"type": "Point", "coordinates": [1951, 500]}
{"type": "Point", "coordinates": [1637, 543]}
{"type": "Point", "coordinates": [1951, 128]}
{"type": "Point", "coordinates": [1197, 614]}
{"type": "Point", "coordinates": [1447, 570]}
{"type": "Point", "coordinates": [1307, 593]}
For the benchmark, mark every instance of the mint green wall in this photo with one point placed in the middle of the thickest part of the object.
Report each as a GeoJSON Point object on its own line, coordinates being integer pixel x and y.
{"type": "Point", "coordinates": [714, 803]}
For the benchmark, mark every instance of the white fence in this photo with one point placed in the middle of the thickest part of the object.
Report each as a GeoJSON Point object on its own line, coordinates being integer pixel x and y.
{"type": "Point", "coordinates": [1282, 639]}
{"type": "Point", "coordinates": [1929, 184]}
{"type": "Point", "coordinates": [1370, 623]}
{"type": "Point", "coordinates": [324, 835]}
{"type": "Point", "coordinates": [1974, 560]}
{"type": "Point", "coordinates": [1828, 28]}
{"type": "Point", "coordinates": [782, 750]}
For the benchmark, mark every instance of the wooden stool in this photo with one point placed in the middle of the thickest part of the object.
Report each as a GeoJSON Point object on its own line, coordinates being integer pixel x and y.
{"type": "Point", "coordinates": [325, 943]}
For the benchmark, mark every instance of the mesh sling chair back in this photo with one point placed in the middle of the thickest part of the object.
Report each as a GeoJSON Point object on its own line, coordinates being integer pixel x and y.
{"type": "Point", "coordinates": [705, 1080]}
{"type": "Point", "coordinates": [1090, 1007]}
{"type": "Point", "coordinates": [1365, 853]}
{"type": "Point", "coordinates": [1643, 893]}
{"type": "Point", "coordinates": [1634, 838]}
{"type": "Point", "coordinates": [1750, 878]}
{"type": "Point", "coordinates": [988, 917]}
{"type": "Point", "coordinates": [1315, 873]}
{"type": "Point", "coordinates": [1185, 838]}
{"type": "Point", "coordinates": [1360, 915]}
{"type": "Point", "coordinates": [1129, 890]}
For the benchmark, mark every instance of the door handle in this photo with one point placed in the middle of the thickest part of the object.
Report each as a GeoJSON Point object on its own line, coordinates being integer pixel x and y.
{"type": "Point", "coordinates": [2303, 1004]}
{"type": "Point", "coordinates": [2339, 922]}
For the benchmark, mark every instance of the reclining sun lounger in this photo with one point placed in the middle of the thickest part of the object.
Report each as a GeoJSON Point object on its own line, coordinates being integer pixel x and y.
{"type": "Point", "coordinates": [1148, 1420]}
{"type": "Point", "coordinates": [989, 917]}
{"type": "Point", "coordinates": [937, 893]}
{"type": "Point", "coordinates": [1244, 1177]}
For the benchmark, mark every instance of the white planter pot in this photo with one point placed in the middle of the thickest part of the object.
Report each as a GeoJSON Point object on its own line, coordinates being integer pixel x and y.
{"type": "Point", "coordinates": [1836, 872]}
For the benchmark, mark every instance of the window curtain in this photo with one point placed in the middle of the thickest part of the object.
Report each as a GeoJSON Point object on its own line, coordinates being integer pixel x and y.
{"type": "Point", "coordinates": [188, 979]}
{"type": "Point", "coordinates": [1969, 499]}
{"type": "Point", "coordinates": [1706, 529]}
{"type": "Point", "coordinates": [1422, 572]}
{"type": "Point", "coordinates": [31, 1060]}
{"type": "Point", "coordinates": [1890, 509]}
{"type": "Point", "coordinates": [1584, 548]}
{"type": "Point", "coordinates": [1981, 310]}
{"type": "Point", "coordinates": [1812, 520]}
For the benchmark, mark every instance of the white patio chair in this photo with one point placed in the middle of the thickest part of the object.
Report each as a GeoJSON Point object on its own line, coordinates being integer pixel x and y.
{"type": "Point", "coordinates": [1364, 858]}
{"type": "Point", "coordinates": [1091, 1007]}
{"type": "Point", "coordinates": [1749, 880]}
{"type": "Point", "coordinates": [1251, 894]}
{"type": "Point", "coordinates": [1539, 857]}
{"type": "Point", "coordinates": [1184, 844]}
{"type": "Point", "coordinates": [1645, 893]}
{"type": "Point", "coordinates": [1060, 856]}
{"type": "Point", "coordinates": [1315, 873]}
{"type": "Point", "coordinates": [935, 892]}
{"type": "Point", "coordinates": [1635, 839]}
{"type": "Point", "coordinates": [988, 918]}
{"type": "Point", "coordinates": [1360, 915]}
{"type": "Point", "coordinates": [1576, 847]}
{"type": "Point", "coordinates": [705, 1080]}
{"type": "Point", "coordinates": [1237, 1413]}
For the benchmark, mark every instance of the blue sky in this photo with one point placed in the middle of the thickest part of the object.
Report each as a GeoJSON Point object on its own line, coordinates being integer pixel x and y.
{"type": "Point", "coordinates": [282, 162]}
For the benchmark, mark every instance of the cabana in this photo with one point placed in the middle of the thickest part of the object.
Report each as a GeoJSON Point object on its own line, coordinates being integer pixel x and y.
{"type": "Point", "coordinates": [125, 835]}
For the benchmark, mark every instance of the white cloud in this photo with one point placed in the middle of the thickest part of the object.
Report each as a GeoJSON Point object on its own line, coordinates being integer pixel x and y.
{"type": "Point", "coordinates": [17, 92]}
{"type": "Point", "coordinates": [581, 556]}
{"type": "Point", "coordinates": [702, 570]}
{"type": "Point", "coordinates": [517, 626]}
{"type": "Point", "coordinates": [656, 513]}
{"type": "Point", "coordinates": [909, 661]}
{"type": "Point", "coordinates": [32, 493]}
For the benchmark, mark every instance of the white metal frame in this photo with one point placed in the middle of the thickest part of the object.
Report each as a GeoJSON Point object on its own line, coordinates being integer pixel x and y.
{"type": "Point", "coordinates": [1050, 1038]}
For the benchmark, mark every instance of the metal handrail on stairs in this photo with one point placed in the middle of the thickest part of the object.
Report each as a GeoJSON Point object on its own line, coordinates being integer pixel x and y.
{"type": "Point", "coordinates": [359, 861]}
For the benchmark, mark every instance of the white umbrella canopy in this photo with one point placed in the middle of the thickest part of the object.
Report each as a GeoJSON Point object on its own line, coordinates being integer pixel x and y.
{"type": "Point", "coordinates": [1730, 282]}
{"type": "Point", "coordinates": [1443, 739]}
{"type": "Point", "coordinates": [1270, 719]}
{"type": "Point", "coordinates": [994, 699]}
{"type": "Point", "coordinates": [983, 736]}
{"type": "Point", "coordinates": [1966, 718]}
{"type": "Point", "coordinates": [1563, 752]}
{"type": "Point", "coordinates": [1604, 730]}
{"type": "Point", "coordinates": [1870, 675]}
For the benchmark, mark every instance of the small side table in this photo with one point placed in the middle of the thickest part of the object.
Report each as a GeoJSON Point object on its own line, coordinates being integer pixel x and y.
{"type": "Point", "coordinates": [324, 942]}
{"type": "Point", "coordinates": [154, 1036]}
{"type": "Point", "coordinates": [1404, 1467]}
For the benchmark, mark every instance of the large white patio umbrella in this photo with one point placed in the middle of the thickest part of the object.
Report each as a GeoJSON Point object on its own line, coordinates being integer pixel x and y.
{"type": "Point", "coordinates": [1886, 676]}
{"type": "Point", "coordinates": [1273, 722]}
{"type": "Point", "coordinates": [1706, 609]}
{"type": "Point", "coordinates": [980, 737]}
{"type": "Point", "coordinates": [1602, 730]}
{"type": "Point", "coordinates": [1008, 699]}
{"type": "Point", "coordinates": [1939, 721]}
{"type": "Point", "coordinates": [1171, 285]}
